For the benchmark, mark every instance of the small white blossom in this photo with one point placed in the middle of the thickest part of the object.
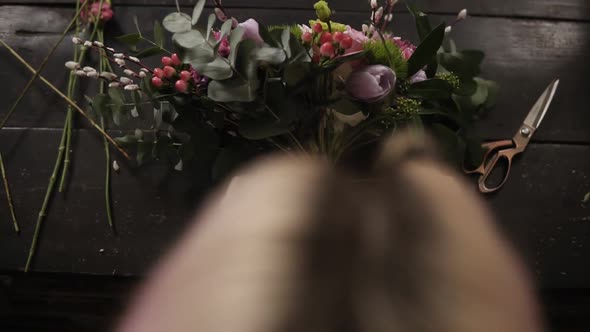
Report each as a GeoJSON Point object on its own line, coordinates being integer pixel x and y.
{"type": "Point", "coordinates": [77, 40]}
{"type": "Point", "coordinates": [374, 4]}
{"type": "Point", "coordinates": [462, 15]}
{"type": "Point", "coordinates": [448, 30]}
{"type": "Point", "coordinates": [92, 74]}
{"type": "Point", "coordinates": [120, 62]}
{"type": "Point", "coordinates": [119, 55]}
{"type": "Point", "coordinates": [142, 74]}
{"type": "Point", "coordinates": [379, 15]}
{"type": "Point", "coordinates": [125, 80]}
{"type": "Point", "coordinates": [72, 65]}
{"type": "Point", "coordinates": [88, 69]}
{"type": "Point", "coordinates": [115, 166]}
{"type": "Point", "coordinates": [97, 43]}
{"type": "Point", "coordinates": [134, 59]}
{"type": "Point", "coordinates": [108, 75]}
{"type": "Point", "coordinates": [179, 166]}
{"type": "Point", "coordinates": [88, 44]}
{"type": "Point", "coordinates": [81, 73]}
{"type": "Point", "coordinates": [131, 87]}
{"type": "Point", "coordinates": [114, 85]}
{"type": "Point", "coordinates": [129, 72]}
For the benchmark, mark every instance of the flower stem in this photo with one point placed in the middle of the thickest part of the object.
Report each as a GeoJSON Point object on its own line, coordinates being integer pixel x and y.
{"type": "Point", "coordinates": [43, 211]}
{"type": "Point", "coordinates": [68, 100]}
{"type": "Point", "coordinates": [42, 66]}
{"type": "Point", "coordinates": [8, 195]}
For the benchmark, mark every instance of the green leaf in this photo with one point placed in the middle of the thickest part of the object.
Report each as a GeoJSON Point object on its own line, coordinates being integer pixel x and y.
{"type": "Point", "coordinates": [296, 73]}
{"type": "Point", "coordinates": [199, 55]}
{"type": "Point", "coordinates": [217, 70]}
{"type": "Point", "coordinates": [464, 64]}
{"type": "Point", "coordinates": [285, 37]}
{"type": "Point", "coordinates": [197, 11]}
{"type": "Point", "coordinates": [267, 36]}
{"type": "Point", "coordinates": [235, 38]}
{"type": "Point", "coordinates": [158, 34]}
{"type": "Point", "coordinates": [224, 30]}
{"type": "Point", "coordinates": [100, 103]}
{"type": "Point", "coordinates": [210, 22]}
{"type": "Point", "coordinates": [188, 39]}
{"type": "Point", "coordinates": [149, 52]}
{"type": "Point", "coordinates": [346, 107]}
{"type": "Point", "coordinates": [422, 22]}
{"type": "Point", "coordinates": [131, 40]}
{"type": "Point", "coordinates": [126, 140]}
{"type": "Point", "coordinates": [231, 91]}
{"type": "Point", "coordinates": [493, 91]}
{"type": "Point", "coordinates": [271, 55]}
{"type": "Point", "coordinates": [586, 198]}
{"type": "Point", "coordinates": [430, 89]}
{"type": "Point", "coordinates": [426, 52]}
{"type": "Point", "coordinates": [245, 64]}
{"type": "Point", "coordinates": [177, 22]}
{"type": "Point", "coordinates": [467, 87]}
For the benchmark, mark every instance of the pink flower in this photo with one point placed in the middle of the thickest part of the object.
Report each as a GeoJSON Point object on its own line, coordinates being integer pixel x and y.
{"type": "Point", "coordinates": [418, 77]}
{"type": "Point", "coordinates": [371, 83]}
{"type": "Point", "coordinates": [405, 46]}
{"type": "Point", "coordinates": [251, 31]}
{"type": "Point", "coordinates": [91, 12]}
{"type": "Point", "coordinates": [358, 39]}
{"type": "Point", "coordinates": [224, 48]}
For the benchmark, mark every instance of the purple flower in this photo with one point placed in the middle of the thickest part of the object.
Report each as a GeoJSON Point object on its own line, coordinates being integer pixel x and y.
{"type": "Point", "coordinates": [251, 31]}
{"type": "Point", "coordinates": [418, 77]}
{"type": "Point", "coordinates": [371, 83]}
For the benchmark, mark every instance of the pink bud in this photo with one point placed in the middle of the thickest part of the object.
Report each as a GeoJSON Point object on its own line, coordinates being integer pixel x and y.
{"type": "Point", "coordinates": [326, 38]}
{"type": "Point", "coordinates": [220, 15]}
{"type": "Point", "coordinates": [317, 28]}
{"type": "Point", "coordinates": [175, 60]}
{"type": "Point", "coordinates": [307, 37]}
{"type": "Point", "coordinates": [327, 50]}
{"type": "Point", "coordinates": [338, 36]}
{"type": "Point", "coordinates": [166, 61]}
{"type": "Point", "coordinates": [185, 75]}
{"type": "Point", "coordinates": [158, 72]}
{"type": "Point", "coordinates": [157, 82]}
{"type": "Point", "coordinates": [346, 42]}
{"type": "Point", "coordinates": [169, 71]}
{"type": "Point", "coordinates": [181, 86]}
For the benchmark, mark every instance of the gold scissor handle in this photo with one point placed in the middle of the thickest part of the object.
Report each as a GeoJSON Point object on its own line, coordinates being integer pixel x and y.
{"type": "Point", "coordinates": [495, 151]}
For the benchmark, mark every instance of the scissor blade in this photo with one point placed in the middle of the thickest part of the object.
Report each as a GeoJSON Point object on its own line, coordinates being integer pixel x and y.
{"type": "Point", "coordinates": [541, 107]}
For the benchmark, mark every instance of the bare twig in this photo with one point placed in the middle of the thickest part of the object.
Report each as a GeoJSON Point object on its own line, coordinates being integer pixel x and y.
{"type": "Point", "coordinates": [68, 100]}
{"type": "Point", "coordinates": [8, 195]}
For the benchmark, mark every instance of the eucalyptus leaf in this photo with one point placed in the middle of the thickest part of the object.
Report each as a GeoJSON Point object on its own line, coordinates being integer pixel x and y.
{"type": "Point", "coordinates": [235, 38]}
{"type": "Point", "coordinates": [210, 22]}
{"type": "Point", "coordinates": [188, 39]}
{"type": "Point", "coordinates": [177, 22]}
{"type": "Point", "coordinates": [224, 30]}
{"type": "Point", "coordinates": [285, 37]}
{"type": "Point", "coordinates": [158, 116]}
{"type": "Point", "coordinates": [426, 52]}
{"type": "Point", "coordinates": [158, 34]}
{"type": "Point", "coordinates": [245, 63]}
{"type": "Point", "coordinates": [217, 69]}
{"type": "Point", "coordinates": [231, 91]}
{"type": "Point", "coordinates": [198, 56]}
{"type": "Point", "coordinates": [197, 11]}
{"type": "Point", "coordinates": [271, 55]}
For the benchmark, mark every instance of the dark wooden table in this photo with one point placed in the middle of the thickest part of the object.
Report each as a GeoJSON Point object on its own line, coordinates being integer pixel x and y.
{"type": "Point", "coordinates": [84, 272]}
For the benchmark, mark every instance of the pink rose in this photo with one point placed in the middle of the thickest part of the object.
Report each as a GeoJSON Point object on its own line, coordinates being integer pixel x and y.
{"type": "Point", "coordinates": [371, 83]}
{"type": "Point", "coordinates": [251, 31]}
{"type": "Point", "coordinates": [405, 46]}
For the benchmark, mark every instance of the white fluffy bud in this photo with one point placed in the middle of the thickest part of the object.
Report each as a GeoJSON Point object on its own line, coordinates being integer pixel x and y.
{"type": "Point", "coordinates": [134, 59]}
{"type": "Point", "coordinates": [114, 85]}
{"type": "Point", "coordinates": [81, 73]}
{"type": "Point", "coordinates": [125, 80]}
{"type": "Point", "coordinates": [88, 44]}
{"type": "Point", "coordinates": [129, 72]}
{"type": "Point", "coordinates": [72, 65]}
{"type": "Point", "coordinates": [108, 75]}
{"type": "Point", "coordinates": [462, 15]}
{"type": "Point", "coordinates": [115, 166]}
{"type": "Point", "coordinates": [374, 4]}
{"type": "Point", "coordinates": [92, 74]}
{"type": "Point", "coordinates": [131, 87]}
{"type": "Point", "coordinates": [77, 40]}
{"type": "Point", "coordinates": [142, 74]}
{"type": "Point", "coordinates": [119, 55]}
{"type": "Point", "coordinates": [120, 62]}
{"type": "Point", "coordinates": [448, 30]}
{"type": "Point", "coordinates": [88, 69]}
{"type": "Point", "coordinates": [97, 43]}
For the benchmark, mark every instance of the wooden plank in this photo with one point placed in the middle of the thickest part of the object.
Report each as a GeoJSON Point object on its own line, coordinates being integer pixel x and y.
{"type": "Point", "coordinates": [540, 210]}
{"type": "Point", "coordinates": [556, 9]}
{"type": "Point", "coordinates": [523, 56]}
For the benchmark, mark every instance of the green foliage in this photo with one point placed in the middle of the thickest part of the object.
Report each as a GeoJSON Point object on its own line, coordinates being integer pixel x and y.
{"type": "Point", "coordinates": [388, 54]}
{"type": "Point", "coordinates": [425, 53]}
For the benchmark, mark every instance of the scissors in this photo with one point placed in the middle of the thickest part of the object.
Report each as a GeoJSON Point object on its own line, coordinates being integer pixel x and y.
{"type": "Point", "coordinates": [508, 149]}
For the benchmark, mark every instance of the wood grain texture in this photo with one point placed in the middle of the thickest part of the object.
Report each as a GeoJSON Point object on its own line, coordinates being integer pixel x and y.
{"type": "Point", "coordinates": [554, 9]}
{"type": "Point", "coordinates": [540, 210]}
{"type": "Point", "coordinates": [522, 55]}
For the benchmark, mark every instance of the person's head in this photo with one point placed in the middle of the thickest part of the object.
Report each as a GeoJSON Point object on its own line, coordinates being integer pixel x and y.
{"type": "Point", "coordinates": [295, 245]}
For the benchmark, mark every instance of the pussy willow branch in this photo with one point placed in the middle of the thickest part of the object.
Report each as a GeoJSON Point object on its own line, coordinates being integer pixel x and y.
{"type": "Point", "coordinates": [8, 195]}
{"type": "Point", "coordinates": [41, 67]}
{"type": "Point", "coordinates": [68, 100]}
{"type": "Point", "coordinates": [71, 89]}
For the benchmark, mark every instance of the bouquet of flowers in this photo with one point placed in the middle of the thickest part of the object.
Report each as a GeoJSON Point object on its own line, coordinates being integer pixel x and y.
{"type": "Point", "coordinates": [237, 89]}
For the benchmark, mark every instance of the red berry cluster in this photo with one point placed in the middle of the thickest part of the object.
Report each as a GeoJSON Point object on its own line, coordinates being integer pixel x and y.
{"type": "Point", "coordinates": [329, 45]}
{"type": "Point", "coordinates": [172, 72]}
